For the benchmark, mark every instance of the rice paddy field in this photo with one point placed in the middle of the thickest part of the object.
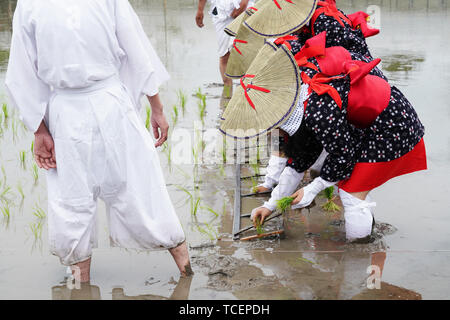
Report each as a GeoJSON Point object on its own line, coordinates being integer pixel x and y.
{"type": "Point", "coordinates": [311, 260]}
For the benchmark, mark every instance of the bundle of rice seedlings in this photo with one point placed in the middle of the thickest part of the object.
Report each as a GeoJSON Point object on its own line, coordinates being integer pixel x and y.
{"type": "Point", "coordinates": [276, 18]}
{"type": "Point", "coordinates": [148, 112]}
{"type": "Point", "coordinates": [284, 204]}
{"type": "Point", "coordinates": [266, 97]}
{"type": "Point", "coordinates": [330, 205]}
{"type": "Point", "coordinates": [259, 228]}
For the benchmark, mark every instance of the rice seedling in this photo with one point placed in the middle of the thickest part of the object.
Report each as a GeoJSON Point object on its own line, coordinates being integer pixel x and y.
{"type": "Point", "coordinates": [21, 193]}
{"type": "Point", "coordinates": [5, 111]}
{"type": "Point", "coordinates": [32, 147]}
{"type": "Point", "coordinates": [201, 104]}
{"type": "Point", "coordinates": [254, 184]}
{"type": "Point", "coordinates": [167, 149]}
{"type": "Point", "coordinates": [175, 115]}
{"type": "Point", "coordinates": [6, 196]}
{"type": "Point", "coordinates": [305, 260]}
{"type": "Point", "coordinates": [330, 205]}
{"type": "Point", "coordinates": [183, 99]}
{"type": "Point", "coordinates": [39, 212]}
{"type": "Point", "coordinates": [36, 229]}
{"type": "Point", "coordinates": [210, 210]}
{"type": "Point", "coordinates": [259, 228]}
{"type": "Point", "coordinates": [195, 207]}
{"type": "Point", "coordinates": [6, 212]}
{"type": "Point", "coordinates": [22, 157]}
{"type": "Point", "coordinates": [255, 168]}
{"type": "Point", "coordinates": [284, 203]}
{"type": "Point", "coordinates": [148, 112]}
{"type": "Point", "coordinates": [14, 125]}
{"type": "Point", "coordinates": [35, 172]}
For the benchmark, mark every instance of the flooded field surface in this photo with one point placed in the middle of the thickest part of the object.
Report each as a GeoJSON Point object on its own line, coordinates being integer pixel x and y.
{"type": "Point", "coordinates": [311, 259]}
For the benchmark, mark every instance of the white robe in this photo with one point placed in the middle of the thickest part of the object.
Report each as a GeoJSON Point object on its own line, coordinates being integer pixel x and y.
{"type": "Point", "coordinates": [86, 63]}
{"type": "Point", "coordinates": [73, 44]}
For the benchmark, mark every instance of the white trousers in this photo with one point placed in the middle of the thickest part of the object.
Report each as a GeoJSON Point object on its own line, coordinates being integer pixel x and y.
{"type": "Point", "coordinates": [103, 150]}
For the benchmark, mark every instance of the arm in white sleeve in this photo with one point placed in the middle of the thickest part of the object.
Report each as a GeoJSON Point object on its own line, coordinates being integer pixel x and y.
{"type": "Point", "coordinates": [142, 72]}
{"type": "Point", "coordinates": [26, 90]}
{"type": "Point", "coordinates": [312, 190]}
{"type": "Point", "coordinates": [289, 181]}
{"type": "Point", "coordinates": [274, 170]}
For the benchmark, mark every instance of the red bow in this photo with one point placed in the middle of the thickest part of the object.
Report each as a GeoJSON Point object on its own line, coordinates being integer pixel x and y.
{"type": "Point", "coordinates": [278, 5]}
{"type": "Point", "coordinates": [284, 40]}
{"type": "Point", "coordinates": [359, 21]}
{"type": "Point", "coordinates": [313, 47]}
{"type": "Point", "coordinates": [251, 86]}
{"type": "Point", "coordinates": [330, 9]}
{"type": "Point", "coordinates": [238, 41]}
{"type": "Point", "coordinates": [319, 86]}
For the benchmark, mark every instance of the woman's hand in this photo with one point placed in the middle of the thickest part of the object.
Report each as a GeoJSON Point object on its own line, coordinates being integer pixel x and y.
{"type": "Point", "coordinates": [298, 196]}
{"type": "Point", "coordinates": [260, 214]}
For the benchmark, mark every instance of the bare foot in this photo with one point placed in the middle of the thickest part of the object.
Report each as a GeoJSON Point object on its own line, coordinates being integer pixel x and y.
{"type": "Point", "coordinates": [181, 256]}
{"type": "Point", "coordinates": [82, 271]}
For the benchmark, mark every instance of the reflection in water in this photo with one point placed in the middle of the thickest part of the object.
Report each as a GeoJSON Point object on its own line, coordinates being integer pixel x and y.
{"type": "Point", "coordinates": [91, 292]}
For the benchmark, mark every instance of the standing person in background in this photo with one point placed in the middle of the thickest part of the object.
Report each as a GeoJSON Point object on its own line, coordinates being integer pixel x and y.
{"type": "Point", "coordinates": [222, 12]}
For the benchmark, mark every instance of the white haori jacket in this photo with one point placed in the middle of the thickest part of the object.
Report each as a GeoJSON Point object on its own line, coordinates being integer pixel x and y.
{"type": "Point", "coordinates": [43, 56]}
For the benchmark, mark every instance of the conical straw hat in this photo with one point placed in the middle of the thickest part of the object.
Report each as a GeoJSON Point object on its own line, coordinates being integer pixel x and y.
{"type": "Point", "coordinates": [276, 18]}
{"type": "Point", "coordinates": [233, 28]}
{"type": "Point", "coordinates": [271, 93]}
{"type": "Point", "coordinates": [245, 48]}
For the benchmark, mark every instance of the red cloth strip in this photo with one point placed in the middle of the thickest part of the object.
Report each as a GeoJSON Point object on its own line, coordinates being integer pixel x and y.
{"type": "Point", "coordinates": [238, 41]}
{"type": "Point", "coordinates": [251, 86]}
{"type": "Point", "coordinates": [319, 86]}
{"type": "Point", "coordinates": [284, 40]}
{"type": "Point", "coordinates": [278, 5]}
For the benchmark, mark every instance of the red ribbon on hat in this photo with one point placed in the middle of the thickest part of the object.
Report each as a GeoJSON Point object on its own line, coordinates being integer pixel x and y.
{"type": "Point", "coordinates": [238, 41]}
{"type": "Point", "coordinates": [284, 40]}
{"type": "Point", "coordinates": [330, 9]}
{"type": "Point", "coordinates": [278, 5]}
{"type": "Point", "coordinates": [251, 86]}
{"type": "Point", "coordinates": [319, 86]}
{"type": "Point", "coordinates": [313, 47]}
{"type": "Point", "coordinates": [252, 8]}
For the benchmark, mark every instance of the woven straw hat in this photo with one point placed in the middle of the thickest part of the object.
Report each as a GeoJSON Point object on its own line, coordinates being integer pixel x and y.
{"type": "Point", "coordinates": [245, 48]}
{"type": "Point", "coordinates": [267, 95]}
{"type": "Point", "coordinates": [276, 18]}
{"type": "Point", "coordinates": [233, 28]}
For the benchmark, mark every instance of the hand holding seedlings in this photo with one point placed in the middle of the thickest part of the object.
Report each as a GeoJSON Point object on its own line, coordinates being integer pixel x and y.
{"type": "Point", "coordinates": [44, 148]}
{"type": "Point", "coordinates": [298, 196]}
{"type": "Point", "coordinates": [260, 189]}
{"type": "Point", "coordinates": [259, 215]}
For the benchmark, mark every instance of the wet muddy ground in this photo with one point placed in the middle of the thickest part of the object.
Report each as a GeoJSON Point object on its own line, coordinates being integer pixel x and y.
{"type": "Point", "coordinates": [311, 260]}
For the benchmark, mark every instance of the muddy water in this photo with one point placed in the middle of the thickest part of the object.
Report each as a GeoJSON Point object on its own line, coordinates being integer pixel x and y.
{"type": "Point", "coordinates": [311, 261]}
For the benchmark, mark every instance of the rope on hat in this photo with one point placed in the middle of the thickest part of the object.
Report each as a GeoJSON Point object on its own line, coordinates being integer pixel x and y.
{"type": "Point", "coordinates": [278, 5]}
{"type": "Point", "coordinates": [251, 86]}
{"type": "Point", "coordinates": [238, 41]}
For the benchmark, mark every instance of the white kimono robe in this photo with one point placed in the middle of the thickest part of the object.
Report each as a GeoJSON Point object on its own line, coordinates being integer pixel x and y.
{"type": "Point", "coordinates": [86, 64]}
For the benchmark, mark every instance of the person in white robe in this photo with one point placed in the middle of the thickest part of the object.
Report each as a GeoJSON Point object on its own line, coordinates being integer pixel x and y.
{"type": "Point", "coordinates": [222, 12]}
{"type": "Point", "coordinates": [77, 72]}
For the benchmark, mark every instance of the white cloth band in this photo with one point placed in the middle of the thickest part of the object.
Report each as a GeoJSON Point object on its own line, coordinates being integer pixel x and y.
{"type": "Point", "coordinates": [358, 216]}
{"type": "Point", "coordinates": [274, 170]}
{"type": "Point", "coordinates": [289, 181]}
{"type": "Point", "coordinates": [311, 191]}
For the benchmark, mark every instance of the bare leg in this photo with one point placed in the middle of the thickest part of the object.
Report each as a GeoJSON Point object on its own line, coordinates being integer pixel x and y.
{"type": "Point", "coordinates": [223, 66]}
{"type": "Point", "coordinates": [82, 270]}
{"type": "Point", "coordinates": [181, 256]}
